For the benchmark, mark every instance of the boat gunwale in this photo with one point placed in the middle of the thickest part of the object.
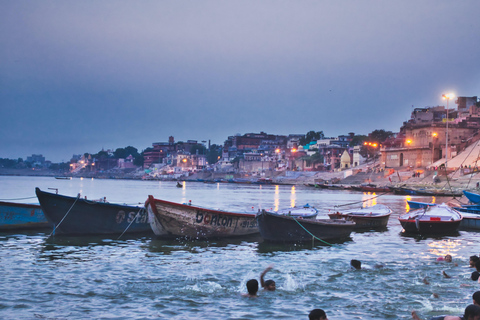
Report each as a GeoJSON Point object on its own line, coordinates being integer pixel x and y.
{"type": "Point", "coordinates": [152, 201]}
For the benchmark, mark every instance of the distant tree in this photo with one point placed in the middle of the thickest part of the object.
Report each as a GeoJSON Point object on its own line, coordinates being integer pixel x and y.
{"type": "Point", "coordinates": [201, 149]}
{"type": "Point", "coordinates": [311, 136]}
{"type": "Point", "coordinates": [213, 153]}
{"type": "Point", "coordinates": [380, 136]}
{"type": "Point", "coordinates": [314, 159]}
{"type": "Point", "coordinates": [101, 155]}
{"type": "Point", "coordinates": [122, 153]}
{"type": "Point", "coordinates": [358, 140]}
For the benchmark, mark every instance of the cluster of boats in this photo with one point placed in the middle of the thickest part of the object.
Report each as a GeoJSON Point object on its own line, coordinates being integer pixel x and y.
{"type": "Point", "coordinates": [399, 190]}
{"type": "Point", "coordinates": [165, 219]}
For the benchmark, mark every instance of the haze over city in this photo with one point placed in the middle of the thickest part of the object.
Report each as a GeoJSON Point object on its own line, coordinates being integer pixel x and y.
{"type": "Point", "coordinates": [81, 76]}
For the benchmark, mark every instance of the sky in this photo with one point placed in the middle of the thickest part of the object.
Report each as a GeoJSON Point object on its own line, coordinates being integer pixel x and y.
{"type": "Point", "coordinates": [82, 76]}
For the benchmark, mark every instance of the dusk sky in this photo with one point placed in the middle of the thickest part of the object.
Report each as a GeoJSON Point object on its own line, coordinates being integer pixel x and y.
{"type": "Point", "coordinates": [79, 76]}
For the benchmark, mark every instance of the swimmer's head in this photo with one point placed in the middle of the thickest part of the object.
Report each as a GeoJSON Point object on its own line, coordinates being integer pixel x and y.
{"type": "Point", "coordinates": [476, 298]}
{"type": "Point", "coordinates": [252, 286]}
{"type": "Point", "coordinates": [356, 264]}
{"type": "Point", "coordinates": [270, 285]}
{"type": "Point", "coordinates": [448, 258]}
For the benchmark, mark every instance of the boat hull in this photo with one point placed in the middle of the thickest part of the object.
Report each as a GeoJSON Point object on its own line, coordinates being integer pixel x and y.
{"type": "Point", "coordinates": [280, 228]}
{"type": "Point", "coordinates": [90, 217]}
{"type": "Point", "coordinates": [470, 221]}
{"type": "Point", "coordinates": [439, 219]}
{"type": "Point", "coordinates": [367, 218]}
{"type": "Point", "coordinates": [15, 216]}
{"type": "Point", "coordinates": [363, 222]}
{"type": "Point", "coordinates": [174, 220]}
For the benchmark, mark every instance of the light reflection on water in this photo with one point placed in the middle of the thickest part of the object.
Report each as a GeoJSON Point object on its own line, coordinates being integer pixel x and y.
{"type": "Point", "coordinates": [144, 278]}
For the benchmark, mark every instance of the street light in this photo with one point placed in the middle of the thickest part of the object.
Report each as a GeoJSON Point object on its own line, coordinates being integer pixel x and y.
{"type": "Point", "coordinates": [447, 97]}
{"type": "Point", "coordinates": [434, 135]}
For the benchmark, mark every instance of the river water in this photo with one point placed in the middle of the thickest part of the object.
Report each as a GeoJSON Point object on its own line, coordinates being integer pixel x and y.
{"type": "Point", "coordinates": [142, 277]}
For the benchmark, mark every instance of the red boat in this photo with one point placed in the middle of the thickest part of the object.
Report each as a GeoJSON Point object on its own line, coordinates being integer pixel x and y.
{"type": "Point", "coordinates": [439, 219]}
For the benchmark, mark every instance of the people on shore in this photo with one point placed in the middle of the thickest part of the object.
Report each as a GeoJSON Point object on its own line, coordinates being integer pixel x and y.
{"type": "Point", "coordinates": [252, 288]}
{"type": "Point", "coordinates": [268, 285]}
{"type": "Point", "coordinates": [317, 314]}
{"type": "Point", "coordinates": [472, 312]}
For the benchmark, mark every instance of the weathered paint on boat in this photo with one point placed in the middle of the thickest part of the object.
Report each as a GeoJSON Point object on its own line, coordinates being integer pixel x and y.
{"type": "Point", "coordinates": [91, 217]}
{"type": "Point", "coordinates": [439, 219]}
{"type": "Point", "coordinates": [280, 228]}
{"type": "Point", "coordinates": [21, 216]}
{"type": "Point", "coordinates": [170, 219]}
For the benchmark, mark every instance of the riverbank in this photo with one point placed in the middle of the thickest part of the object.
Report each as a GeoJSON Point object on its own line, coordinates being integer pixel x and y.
{"type": "Point", "coordinates": [380, 178]}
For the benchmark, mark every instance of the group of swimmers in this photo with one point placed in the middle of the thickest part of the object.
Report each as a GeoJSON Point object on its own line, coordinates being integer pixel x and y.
{"type": "Point", "coordinates": [269, 285]}
{"type": "Point", "coordinates": [472, 312]}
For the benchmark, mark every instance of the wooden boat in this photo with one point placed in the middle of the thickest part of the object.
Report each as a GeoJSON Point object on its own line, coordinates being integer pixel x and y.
{"type": "Point", "coordinates": [63, 178]}
{"type": "Point", "coordinates": [439, 219]}
{"type": "Point", "coordinates": [21, 216]}
{"type": "Point", "coordinates": [470, 221]}
{"type": "Point", "coordinates": [372, 217]}
{"type": "Point", "coordinates": [75, 215]}
{"type": "Point", "coordinates": [173, 220]}
{"type": "Point", "coordinates": [305, 212]}
{"type": "Point", "coordinates": [282, 228]}
{"type": "Point", "coordinates": [418, 204]}
{"type": "Point", "coordinates": [472, 197]}
{"type": "Point", "coordinates": [424, 192]}
{"type": "Point", "coordinates": [372, 188]}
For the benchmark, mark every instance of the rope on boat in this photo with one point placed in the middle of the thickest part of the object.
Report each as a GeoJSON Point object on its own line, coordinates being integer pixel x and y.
{"type": "Point", "coordinates": [361, 201]}
{"type": "Point", "coordinates": [139, 211]}
{"type": "Point", "coordinates": [56, 226]}
{"type": "Point", "coordinates": [313, 236]}
{"type": "Point", "coordinates": [17, 199]}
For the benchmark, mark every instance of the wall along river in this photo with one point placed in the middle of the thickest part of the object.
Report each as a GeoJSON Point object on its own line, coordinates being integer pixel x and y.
{"type": "Point", "coordinates": [89, 277]}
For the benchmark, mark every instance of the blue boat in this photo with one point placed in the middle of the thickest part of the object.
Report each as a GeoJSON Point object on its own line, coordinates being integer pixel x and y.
{"type": "Point", "coordinates": [75, 215]}
{"type": "Point", "coordinates": [472, 197]}
{"type": "Point", "coordinates": [15, 216]}
{"type": "Point", "coordinates": [419, 205]}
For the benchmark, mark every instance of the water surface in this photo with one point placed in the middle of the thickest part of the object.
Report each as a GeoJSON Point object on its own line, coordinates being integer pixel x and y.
{"type": "Point", "coordinates": [145, 278]}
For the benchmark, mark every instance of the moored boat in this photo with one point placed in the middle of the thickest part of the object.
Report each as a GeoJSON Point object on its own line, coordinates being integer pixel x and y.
{"type": "Point", "coordinates": [75, 215]}
{"type": "Point", "coordinates": [371, 217]}
{"type": "Point", "coordinates": [305, 212]}
{"type": "Point", "coordinates": [419, 205]}
{"type": "Point", "coordinates": [472, 197]}
{"type": "Point", "coordinates": [470, 221]}
{"type": "Point", "coordinates": [173, 220]}
{"type": "Point", "coordinates": [283, 228]}
{"type": "Point", "coordinates": [439, 219]}
{"type": "Point", "coordinates": [15, 216]}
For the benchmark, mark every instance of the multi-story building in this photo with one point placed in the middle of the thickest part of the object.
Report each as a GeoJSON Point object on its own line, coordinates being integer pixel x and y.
{"type": "Point", "coordinates": [422, 140]}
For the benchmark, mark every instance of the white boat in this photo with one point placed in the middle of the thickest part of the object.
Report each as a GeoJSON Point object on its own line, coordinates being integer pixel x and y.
{"type": "Point", "coordinates": [439, 219]}
{"type": "Point", "coordinates": [305, 212]}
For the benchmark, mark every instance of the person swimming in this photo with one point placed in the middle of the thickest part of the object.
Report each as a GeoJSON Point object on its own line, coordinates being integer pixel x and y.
{"type": "Point", "coordinates": [252, 288]}
{"type": "Point", "coordinates": [357, 265]}
{"type": "Point", "coordinates": [317, 314]}
{"type": "Point", "coordinates": [472, 312]}
{"type": "Point", "coordinates": [268, 285]}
